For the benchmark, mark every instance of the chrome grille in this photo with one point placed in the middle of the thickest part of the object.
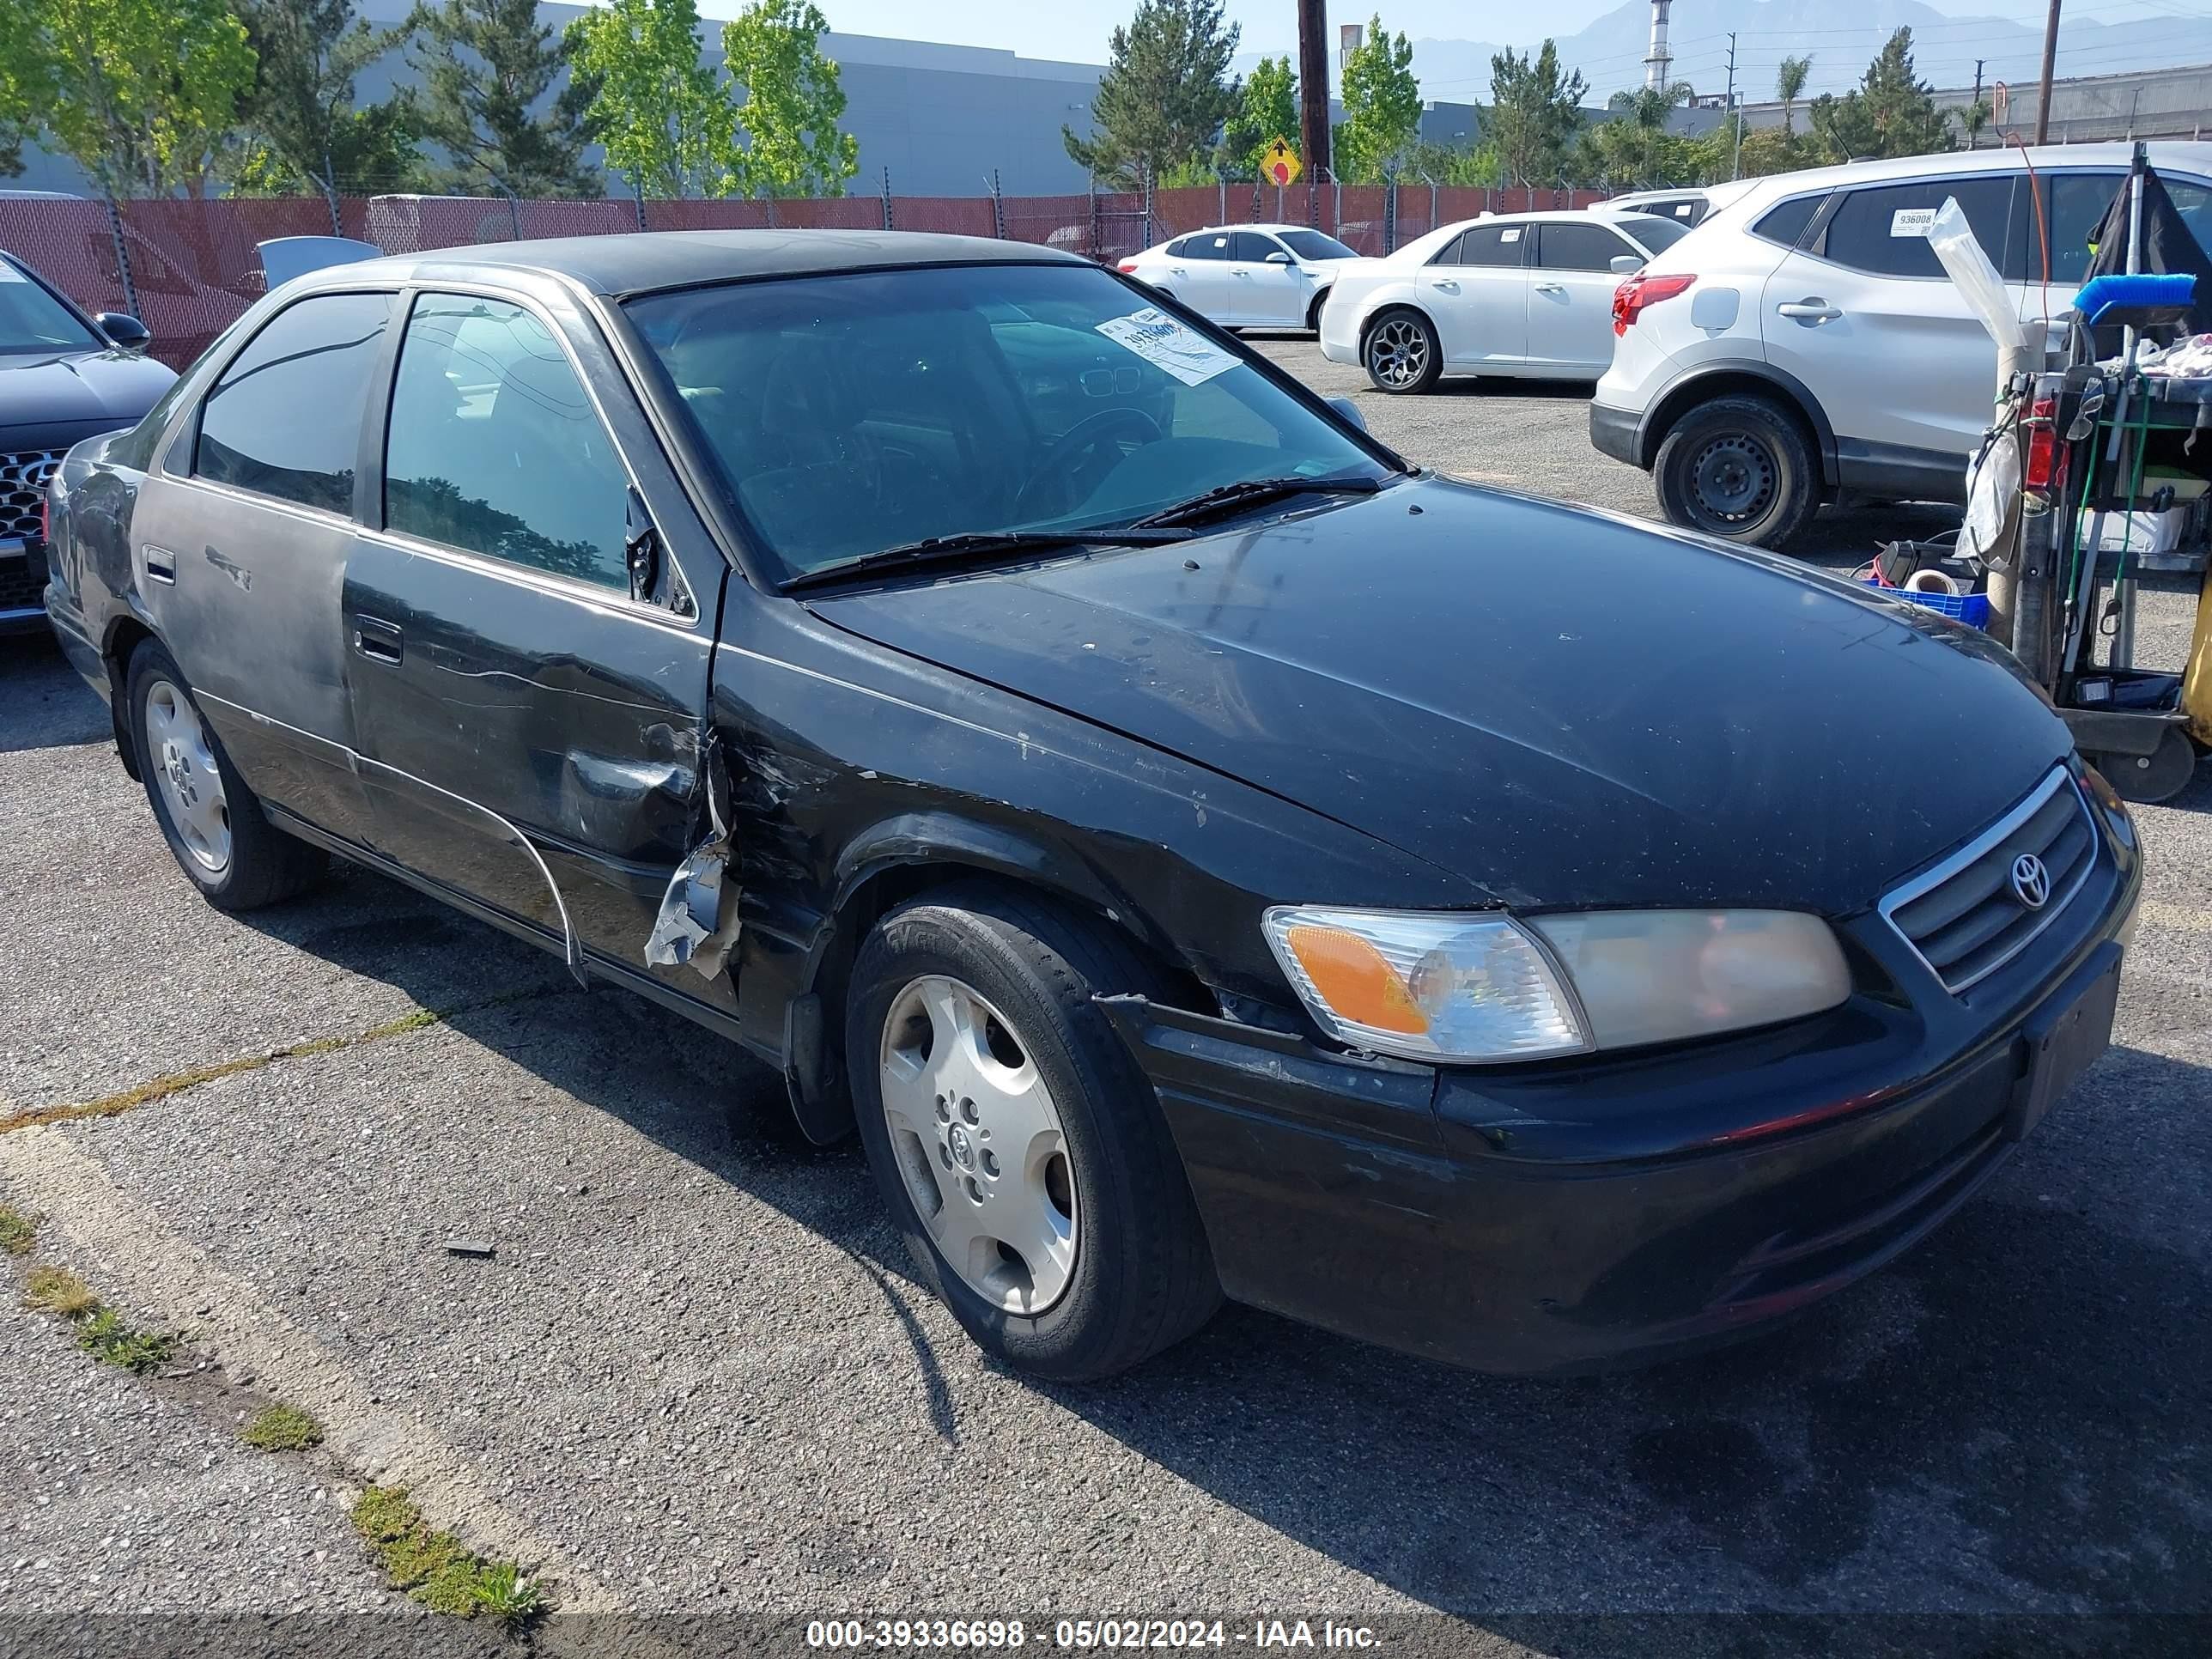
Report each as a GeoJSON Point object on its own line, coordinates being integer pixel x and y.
{"type": "Point", "coordinates": [1965, 917]}
{"type": "Point", "coordinates": [23, 475]}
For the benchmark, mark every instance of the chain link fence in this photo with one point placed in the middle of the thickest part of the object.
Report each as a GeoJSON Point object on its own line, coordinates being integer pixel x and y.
{"type": "Point", "coordinates": [188, 268]}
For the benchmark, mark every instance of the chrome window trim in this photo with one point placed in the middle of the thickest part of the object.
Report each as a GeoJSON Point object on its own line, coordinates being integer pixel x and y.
{"type": "Point", "coordinates": [524, 575]}
{"type": "Point", "coordinates": [1974, 851]}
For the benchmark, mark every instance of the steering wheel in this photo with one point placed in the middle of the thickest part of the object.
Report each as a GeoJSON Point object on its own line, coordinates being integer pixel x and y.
{"type": "Point", "coordinates": [1086, 437]}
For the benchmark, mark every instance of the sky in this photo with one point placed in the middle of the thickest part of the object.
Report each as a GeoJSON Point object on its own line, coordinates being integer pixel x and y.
{"type": "Point", "coordinates": [1076, 30]}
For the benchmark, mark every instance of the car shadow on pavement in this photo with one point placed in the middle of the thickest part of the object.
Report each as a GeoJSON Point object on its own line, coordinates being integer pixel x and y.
{"type": "Point", "coordinates": [48, 706]}
{"type": "Point", "coordinates": [2000, 1421]}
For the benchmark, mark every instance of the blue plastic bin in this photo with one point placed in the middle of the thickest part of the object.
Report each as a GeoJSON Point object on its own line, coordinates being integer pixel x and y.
{"type": "Point", "coordinates": [1971, 609]}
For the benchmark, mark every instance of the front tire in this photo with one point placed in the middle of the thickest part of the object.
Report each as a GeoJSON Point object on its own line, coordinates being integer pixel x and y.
{"type": "Point", "coordinates": [1022, 1152]}
{"type": "Point", "coordinates": [213, 823]}
{"type": "Point", "coordinates": [1401, 352]}
{"type": "Point", "coordinates": [1740, 468]}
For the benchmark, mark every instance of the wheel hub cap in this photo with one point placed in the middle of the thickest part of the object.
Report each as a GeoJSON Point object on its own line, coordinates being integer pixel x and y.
{"type": "Point", "coordinates": [1734, 479]}
{"type": "Point", "coordinates": [187, 774]}
{"type": "Point", "coordinates": [1397, 353]}
{"type": "Point", "coordinates": [979, 1144]}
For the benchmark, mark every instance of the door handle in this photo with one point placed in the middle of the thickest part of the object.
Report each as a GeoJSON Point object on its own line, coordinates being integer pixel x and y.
{"type": "Point", "coordinates": [1445, 283]}
{"type": "Point", "coordinates": [378, 640]}
{"type": "Point", "coordinates": [1550, 287]}
{"type": "Point", "coordinates": [1810, 313]}
{"type": "Point", "coordinates": [1177, 271]}
{"type": "Point", "coordinates": [1246, 275]}
{"type": "Point", "coordinates": [160, 564]}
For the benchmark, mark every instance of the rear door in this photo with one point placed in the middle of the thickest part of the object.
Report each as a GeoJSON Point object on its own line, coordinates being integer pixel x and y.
{"type": "Point", "coordinates": [532, 729]}
{"type": "Point", "coordinates": [1207, 289]}
{"type": "Point", "coordinates": [1268, 286]}
{"type": "Point", "coordinates": [1865, 316]}
{"type": "Point", "coordinates": [1570, 293]}
{"type": "Point", "coordinates": [1477, 291]}
{"type": "Point", "coordinates": [241, 538]}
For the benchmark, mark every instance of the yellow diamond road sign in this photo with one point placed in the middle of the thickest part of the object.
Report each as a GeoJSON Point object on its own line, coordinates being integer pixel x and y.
{"type": "Point", "coordinates": [1278, 166]}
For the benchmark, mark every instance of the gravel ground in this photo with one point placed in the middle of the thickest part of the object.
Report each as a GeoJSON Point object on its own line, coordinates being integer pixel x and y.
{"type": "Point", "coordinates": [695, 1368]}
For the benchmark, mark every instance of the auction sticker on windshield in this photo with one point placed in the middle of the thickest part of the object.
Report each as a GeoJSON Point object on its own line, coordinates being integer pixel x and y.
{"type": "Point", "coordinates": [1167, 344]}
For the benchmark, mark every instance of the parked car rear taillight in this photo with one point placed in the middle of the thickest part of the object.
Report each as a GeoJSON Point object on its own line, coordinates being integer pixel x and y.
{"type": "Point", "coordinates": [1126, 266]}
{"type": "Point", "coordinates": [1641, 290]}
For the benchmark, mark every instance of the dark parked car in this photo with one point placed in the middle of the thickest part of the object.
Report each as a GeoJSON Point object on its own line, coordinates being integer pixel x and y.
{"type": "Point", "coordinates": [63, 376]}
{"type": "Point", "coordinates": [1198, 853]}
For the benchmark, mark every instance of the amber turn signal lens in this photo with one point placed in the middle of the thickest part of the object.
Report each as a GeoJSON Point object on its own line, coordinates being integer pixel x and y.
{"type": "Point", "coordinates": [1352, 977]}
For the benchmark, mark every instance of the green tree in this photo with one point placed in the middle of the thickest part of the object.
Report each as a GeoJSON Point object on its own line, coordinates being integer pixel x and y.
{"type": "Point", "coordinates": [1790, 76]}
{"type": "Point", "coordinates": [792, 102]}
{"type": "Point", "coordinates": [1634, 150]}
{"type": "Point", "coordinates": [1972, 118]}
{"type": "Point", "coordinates": [487, 66]}
{"type": "Point", "coordinates": [306, 131]}
{"type": "Point", "coordinates": [1166, 92]}
{"type": "Point", "coordinates": [1535, 115]}
{"type": "Point", "coordinates": [1267, 111]}
{"type": "Point", "coordinates": [1474, 165]}
{"type": "Point", "coordinates": [1890, 112]}
{"type": "Point", "coordinates": [140, 93]}
{"type": "Point", "coordinates": [1382, 107]}
{"type": "Point", "coordinates": [668, 124]}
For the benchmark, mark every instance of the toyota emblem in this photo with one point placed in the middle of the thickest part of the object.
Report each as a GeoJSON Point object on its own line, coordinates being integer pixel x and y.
{"type": "Point", "coordinates": [2031, 881]}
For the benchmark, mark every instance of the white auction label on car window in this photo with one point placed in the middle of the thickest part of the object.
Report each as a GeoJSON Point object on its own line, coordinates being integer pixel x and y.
{"type": "Point", "coordinates": [1912, 221]}
{"type": "Point", "coordinates": [1511, 233]}
{"type": "Point", "coordinates": [1162, 341]}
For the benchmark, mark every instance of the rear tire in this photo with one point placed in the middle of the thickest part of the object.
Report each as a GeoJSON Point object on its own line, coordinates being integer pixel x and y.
{"type": "Point", "coordinates": [1401, 352]}
{"type": "Point", "coordinates": [1739, 469]}
{"type": "Point", "coordinates": [1119, 1269]}
{"type": "Point", "coordinates": [213, 823]}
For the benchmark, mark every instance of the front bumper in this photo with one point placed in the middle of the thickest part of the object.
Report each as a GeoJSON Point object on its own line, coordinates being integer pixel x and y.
{"type": "Point", "coordinates": [1613, 432]}
{"type": "Point", "coordinates": [1596, 1213]}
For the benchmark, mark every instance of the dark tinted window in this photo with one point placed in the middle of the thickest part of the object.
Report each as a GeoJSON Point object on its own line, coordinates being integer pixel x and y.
{"type": "Point", "coordinates": [1485, 245]}
{"type": "Point", "coordinates": [1579, 248]}
{"type": "Point", "coordinates": [1312, 245]}
{"type": "Point", "coordinates": [1786, 222]}
{"type": "Point", "coordinates": [1253, 248]}
{"type": "Point", "coordinates": [285, 418]}
{"type": "Point", "coordinates": [1657, 234]}
{"type": "Point", "coordinates": [31, 319]}
{"type": "Point", "coordinates": [1212, 245]}
{"type": "Point", "coordinates": [493, 447]}
{"type": "Point", "coordinates": [1884, 229]}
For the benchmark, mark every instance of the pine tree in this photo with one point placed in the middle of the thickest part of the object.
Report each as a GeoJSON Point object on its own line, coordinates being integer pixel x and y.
{"type": "Point", "coordinates": [1165, 94]}
{"type": "Point", "coordinates": [486, 66]}
{"type": "Point", "coordinates": [1535, 114]}
{"type": "Point", "coordinates": [306, 131]}
{"type": "Point", "coordinates": [1890, 112]}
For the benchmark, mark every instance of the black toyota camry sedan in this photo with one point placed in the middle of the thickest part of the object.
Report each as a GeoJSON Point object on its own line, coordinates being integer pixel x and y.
{"type": "Point", "coordinates": [63, 376]}
{"type": "Point", "coordinates": [1199, 854]}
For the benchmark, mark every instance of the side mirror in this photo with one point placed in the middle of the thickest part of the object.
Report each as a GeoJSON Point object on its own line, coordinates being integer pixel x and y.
{"type": "Point", "coordinates": [1626, 265]}
{"type": "Point", "coordinates": [123, 331]}
{"type": "Point", "coordinates": [1279, 258]}
{"type": "Point", "coordinates": [641, 549]}
{"type": "Point", "coordinates": [1348, 412]}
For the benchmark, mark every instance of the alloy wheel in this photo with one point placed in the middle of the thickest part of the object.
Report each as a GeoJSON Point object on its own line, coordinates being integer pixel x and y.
{"type": "Point", "coordinates": [190, 781]}
{"type": "Point", "coordinates": [1398, 352]}
{"type": "Point", "coordinates": [979, 1145]}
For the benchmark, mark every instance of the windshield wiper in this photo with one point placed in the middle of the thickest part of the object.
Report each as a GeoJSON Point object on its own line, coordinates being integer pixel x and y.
{"type": "Point", "coordinates": [1252, 492]}
{"type": "Point", "coordinates": [983, 544]}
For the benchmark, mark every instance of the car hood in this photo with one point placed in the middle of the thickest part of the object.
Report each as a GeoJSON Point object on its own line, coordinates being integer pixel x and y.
{"type": "Point", "coordinates": [1562, 707]}
{"type": "Point", "coordinates": [40, 389]}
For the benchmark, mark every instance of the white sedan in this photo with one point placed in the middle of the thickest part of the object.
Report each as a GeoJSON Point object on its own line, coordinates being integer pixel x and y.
{"type": "Point", "coordinates": [1247, 276]}
{"type": "Point", "coordinates": [1525, 294]}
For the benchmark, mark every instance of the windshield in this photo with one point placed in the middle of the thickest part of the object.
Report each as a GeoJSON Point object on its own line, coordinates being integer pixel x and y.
{"type": "Point", "coordinates": [858, 412]}
{"type": "Point", "coordinates": [1312, 245]}
{"type": "Point", "coordinates": [1657, 234]}
{"type": "Point", "coordinates": [31, 319]}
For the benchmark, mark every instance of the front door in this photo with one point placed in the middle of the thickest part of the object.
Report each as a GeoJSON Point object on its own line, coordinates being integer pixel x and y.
{"type": "Point", "coordinates": [1477, 292]}
{"type": "Point", "coordinates": [1571, 295]}
{"type": "Point", "coordinates": [243, 536]}
{"type": "Point", "coordinates": [531, 730]}
{"type": "Point", "coordinates": [1869, 318]}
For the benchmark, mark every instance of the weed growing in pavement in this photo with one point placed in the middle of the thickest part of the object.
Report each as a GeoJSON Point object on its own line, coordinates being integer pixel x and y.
{"type": "Point", "coordinates": [282, 1428]}
{"type": "Point", "coordinates": [435, 1568]}
{"type": "Point", "coordinates": [58, 1291]}
{"type": "Point", "coordinates": [17, 1234]}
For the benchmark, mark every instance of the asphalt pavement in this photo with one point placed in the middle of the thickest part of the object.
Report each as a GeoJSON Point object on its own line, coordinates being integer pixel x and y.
{"type": "Point", "coordinates": [694, 1379]}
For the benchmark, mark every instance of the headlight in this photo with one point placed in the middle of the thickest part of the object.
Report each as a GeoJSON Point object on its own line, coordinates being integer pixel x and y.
{"type": "Point", "coordinates": [1490, 988]}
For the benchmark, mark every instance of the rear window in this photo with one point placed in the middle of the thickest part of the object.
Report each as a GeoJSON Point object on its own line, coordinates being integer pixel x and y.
{"type": "Point", "coordinates": [1657, 235]}
{"type": "Point", "coordinates": [1786, 222]}
{"type": "Point", "coordinates": [1485, 245]}
{"type": "Point", "coordinates": [1883, 229]}
{"type": "Point", "coordinates": [1214, 246]}
{"type": "Point", "coordinates": [285, 418]}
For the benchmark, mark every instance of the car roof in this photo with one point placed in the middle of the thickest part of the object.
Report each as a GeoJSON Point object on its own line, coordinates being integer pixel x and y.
{"type": "Point", "coordinates": [2186, 154]}
{"type": "Point", "coordinates": [637, 261]}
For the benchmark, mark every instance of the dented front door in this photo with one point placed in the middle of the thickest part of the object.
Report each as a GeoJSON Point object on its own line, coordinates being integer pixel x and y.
{"type": "Point", "coordinates": [530, 729]}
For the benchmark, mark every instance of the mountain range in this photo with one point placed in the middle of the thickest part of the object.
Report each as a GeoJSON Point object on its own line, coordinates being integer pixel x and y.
{"type": "Point", "coordinates": [1610, 50]}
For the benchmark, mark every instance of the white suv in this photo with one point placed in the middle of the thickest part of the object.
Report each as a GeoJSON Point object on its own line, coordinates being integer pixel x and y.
{"type": "Point", "coordinates": [1803, 344]}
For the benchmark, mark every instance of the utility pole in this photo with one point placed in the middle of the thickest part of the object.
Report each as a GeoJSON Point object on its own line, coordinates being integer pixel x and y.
{"type": "Point", "coordinates": [2050, 63]}
{"type": "Point", "coordinates": [1973, 138]}
{"type": "Point", "coordinates": [1735, 139]}
{"type": "Point", "coordinates": [1313, 95]}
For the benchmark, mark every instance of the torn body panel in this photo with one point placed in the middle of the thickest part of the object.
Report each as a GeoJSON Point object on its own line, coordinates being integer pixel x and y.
{"type": "Point", "coordinates": [697, 924]}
